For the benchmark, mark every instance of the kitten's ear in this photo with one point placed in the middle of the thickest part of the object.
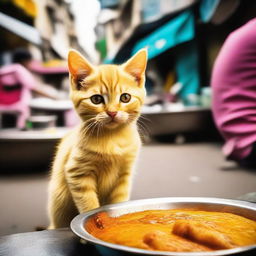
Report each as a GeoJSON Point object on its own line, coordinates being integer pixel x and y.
{"type": "Point", "coordinates": [79, 67]}
{"type": "Point", "coordinates": [136, 65]}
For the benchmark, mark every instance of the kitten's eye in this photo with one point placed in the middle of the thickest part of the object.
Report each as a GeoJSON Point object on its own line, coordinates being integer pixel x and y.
{"type": "Point", "coordinates": [125, 97]}
{"type": "Point", "coordinates": [97, 99]}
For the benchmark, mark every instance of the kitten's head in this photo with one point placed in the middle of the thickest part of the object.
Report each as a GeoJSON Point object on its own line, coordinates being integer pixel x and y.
{"type": "Point", "coordinates": [107, 96]}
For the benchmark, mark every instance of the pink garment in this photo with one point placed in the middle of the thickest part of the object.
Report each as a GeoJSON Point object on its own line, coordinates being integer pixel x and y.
{"type": "Point", "coordinates": [38, 67]}
{"type": "Point", "coordinates": [234, 91]}
{"type": "Point", "coordinates": [16, 84]}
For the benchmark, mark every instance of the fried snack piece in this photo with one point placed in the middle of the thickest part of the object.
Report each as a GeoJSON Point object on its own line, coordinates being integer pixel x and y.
{"type": "Point", "coordinates": [100, 221]}
{"type": "Point", "coordinates": [160, 241]}
{"type": "Point", "coordinates": [202, 234]}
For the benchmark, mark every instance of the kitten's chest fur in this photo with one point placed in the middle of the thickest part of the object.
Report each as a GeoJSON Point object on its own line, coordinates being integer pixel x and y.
{"type": "Point", "coordinates": [109, 172]}
{"type": "Point", "coordinates": [109, 158]}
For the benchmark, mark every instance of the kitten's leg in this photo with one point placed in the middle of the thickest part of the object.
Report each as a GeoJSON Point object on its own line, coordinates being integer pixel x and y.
{"type": "Point", "coordinates": [121, 191]}
{"type": "Point", "coordinates": [83, 187]}
{"type": "Point", "coordinates": [61, 206]}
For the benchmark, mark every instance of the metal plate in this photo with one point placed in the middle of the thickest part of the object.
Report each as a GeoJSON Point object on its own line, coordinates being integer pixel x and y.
{"type": "Point", "coordinates": [242, 208]}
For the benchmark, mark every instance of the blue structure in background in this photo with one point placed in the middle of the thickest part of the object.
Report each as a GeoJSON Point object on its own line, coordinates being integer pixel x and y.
{"type": "Point", "coordinates": [207, 9]}
{"type": "Point", "coordinates": [187, 71]}
{"type": "Point", "coordinates": [178, 30]}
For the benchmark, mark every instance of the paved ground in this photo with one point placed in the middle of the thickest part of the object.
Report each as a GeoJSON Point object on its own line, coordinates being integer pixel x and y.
{"type": "Point", "coordinates": [193, 169]}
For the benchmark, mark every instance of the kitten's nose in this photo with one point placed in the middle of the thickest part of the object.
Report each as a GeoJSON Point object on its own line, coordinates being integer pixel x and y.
{"type": "Point", "coordinates": [112, 114]}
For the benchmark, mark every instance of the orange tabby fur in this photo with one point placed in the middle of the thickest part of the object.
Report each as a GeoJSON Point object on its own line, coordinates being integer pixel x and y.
{"type": "Point", "coordinates": [94, 162]}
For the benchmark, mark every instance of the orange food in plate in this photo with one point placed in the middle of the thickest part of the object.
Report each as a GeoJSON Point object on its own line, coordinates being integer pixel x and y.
{"type": "Point", "coordinates": [177, 230]}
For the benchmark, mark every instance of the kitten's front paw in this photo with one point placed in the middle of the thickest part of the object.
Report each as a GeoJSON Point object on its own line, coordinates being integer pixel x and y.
{"type": "Point", "coordinates": [51, 227]}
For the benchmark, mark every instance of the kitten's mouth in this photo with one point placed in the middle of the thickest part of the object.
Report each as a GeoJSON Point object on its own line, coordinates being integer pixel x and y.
{"type": "Point", "coordinates": [112, 122]}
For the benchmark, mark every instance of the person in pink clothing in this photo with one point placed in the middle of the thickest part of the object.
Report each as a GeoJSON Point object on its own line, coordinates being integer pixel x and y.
{"type": "Point", "coordinates": [233, 84]}
{"type": "Point", "coordinates": [16, 86]}
{"type": "Point", "coordinates": [24, 57]}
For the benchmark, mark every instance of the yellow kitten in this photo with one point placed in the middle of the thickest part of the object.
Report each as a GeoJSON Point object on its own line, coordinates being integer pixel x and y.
{"type": "Point", "coordinates": [94, 162]}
